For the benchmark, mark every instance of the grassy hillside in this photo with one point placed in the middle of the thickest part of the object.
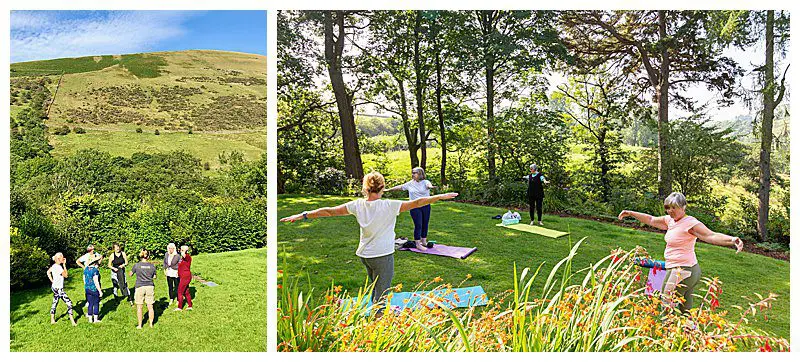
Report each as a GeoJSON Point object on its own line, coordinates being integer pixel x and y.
{"type": "Point", "coordinates": [228, 317]}
{"type": "Point", "coordinates": [206, 90]}
{"type": "Point", "coordinates": [321, 252]}
{"type": "Point", "coordinates": [219, 96]}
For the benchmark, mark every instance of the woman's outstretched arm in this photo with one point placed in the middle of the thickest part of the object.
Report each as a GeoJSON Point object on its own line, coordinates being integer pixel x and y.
{"type": "Point", "coordinates": [340, 210]}
{"type": "Point", "coordinates": [396, 188]}
{"type": "Point", "coordinates": [422, 201]}
{"type": "Point", "coordinates": [656, 222]}
{"type": "Point", "coordinates": [702, 232]}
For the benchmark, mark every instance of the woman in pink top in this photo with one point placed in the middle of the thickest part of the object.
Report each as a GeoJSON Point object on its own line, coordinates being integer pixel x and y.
{"type": "Point", "coordinates": [683, 230]}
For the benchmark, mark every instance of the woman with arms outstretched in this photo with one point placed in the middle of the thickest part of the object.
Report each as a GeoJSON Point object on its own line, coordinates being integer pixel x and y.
{"type": "Point", "coordinates": [683, 270]}
{"type": "Point", "coordinates": [376, 219]}
{"type": "Point", "coordinates": [418, 187]}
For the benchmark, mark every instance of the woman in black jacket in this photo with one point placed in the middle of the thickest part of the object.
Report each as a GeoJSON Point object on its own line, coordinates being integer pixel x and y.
{"type": "Point", "coordinates": [536, 182]}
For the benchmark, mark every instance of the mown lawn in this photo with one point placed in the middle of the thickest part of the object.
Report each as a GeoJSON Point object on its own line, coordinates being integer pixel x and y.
{"type": "Point", "coordinates": [228, 317]}
{"type": "Point", "coordinates": [323, 252]}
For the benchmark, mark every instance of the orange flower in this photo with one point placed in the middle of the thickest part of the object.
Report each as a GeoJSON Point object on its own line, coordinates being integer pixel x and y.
{"type": "Point", "coordinates": [437, 279]}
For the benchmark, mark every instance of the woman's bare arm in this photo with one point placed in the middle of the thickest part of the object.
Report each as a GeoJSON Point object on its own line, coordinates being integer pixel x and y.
{"type": "Point", "coordinates": [340, 210]}
{"type": "Point", "coordinates": [396, 188]}
{"type": "Point", "coordinates": [49, 274]}
{"type": "Point", "coordinates": [702, 232]}
{"type": "Point", "coordinates": [422, 201]}
{"type": "Point", "coordinates": [656, 222]}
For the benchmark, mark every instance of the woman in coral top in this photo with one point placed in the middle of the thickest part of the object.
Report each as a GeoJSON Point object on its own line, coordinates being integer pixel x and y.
{"type": "Point", "coordinates": [185, 275]}
{"type": "Point", "coordinates": [683, 271]}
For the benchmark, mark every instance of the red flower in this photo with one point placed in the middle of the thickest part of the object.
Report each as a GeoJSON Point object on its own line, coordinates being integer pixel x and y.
{"type": "Point", "coordinates": [766, 348]}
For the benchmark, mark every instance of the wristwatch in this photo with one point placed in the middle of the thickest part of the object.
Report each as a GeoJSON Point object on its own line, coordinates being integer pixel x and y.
{"type": "Point", "coordinates": [305, 215]}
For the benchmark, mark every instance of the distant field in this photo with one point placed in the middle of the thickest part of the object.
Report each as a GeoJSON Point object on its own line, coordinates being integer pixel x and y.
{"type": "Point", "coordinates": [124, 141]}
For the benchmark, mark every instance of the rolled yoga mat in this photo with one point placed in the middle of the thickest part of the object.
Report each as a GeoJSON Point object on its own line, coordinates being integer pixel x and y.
{"type": "Point", "coordinates": [650, 263]}
{"type": "Point", "coordinates": [452, 298]}
{"type": "Point", "coordinates": [444, 250]}
{"type": "Point", "coordinates": [536, 230]}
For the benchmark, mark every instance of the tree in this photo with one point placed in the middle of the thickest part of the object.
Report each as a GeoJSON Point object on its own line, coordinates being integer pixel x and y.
{"type": "Point", "coordinates": [665, 50]}
{"type": "Point", "coordinates": [394, 44]}
{"type": "Point", "coordinates": [745, 29]}
{"type": "Point", "coordinates": [706, 153]}
{"type": "Point", "coordinates": [598, 104]}
{"type": "Point", "coordinates": [501, 45]}
{"type": "Point", "coordinates": [335, 35]}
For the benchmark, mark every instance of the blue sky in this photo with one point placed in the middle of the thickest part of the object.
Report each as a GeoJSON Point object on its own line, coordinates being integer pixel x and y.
{"type": "Point", "coordinates": [37, 35]}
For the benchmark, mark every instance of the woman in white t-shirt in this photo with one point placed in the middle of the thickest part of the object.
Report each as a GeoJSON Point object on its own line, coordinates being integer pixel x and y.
{"type": "Point", "coordinates": [418, 187]}
{"type": "Point", "coordinates": [376, 218]}
{"type": "Point", "coordinates": [56, 274]}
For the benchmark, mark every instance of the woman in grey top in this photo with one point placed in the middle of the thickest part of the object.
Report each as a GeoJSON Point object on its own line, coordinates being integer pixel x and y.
{"type": "Point", "coordinates": [171, 260]}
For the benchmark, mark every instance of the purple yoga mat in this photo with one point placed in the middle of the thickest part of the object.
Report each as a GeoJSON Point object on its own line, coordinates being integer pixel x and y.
{"type": "Point", "coordinates": [444, 250]}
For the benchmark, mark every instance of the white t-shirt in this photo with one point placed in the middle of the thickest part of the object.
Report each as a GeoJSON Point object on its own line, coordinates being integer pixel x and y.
{"type": "Point", "coordinates": [417, 189]}
{"type": "Point", "coordinates": [58, 279]}
{"type": "Point", "coordinates": [376, 219]}
{"type": "Point", "coordinates": [85, 257]}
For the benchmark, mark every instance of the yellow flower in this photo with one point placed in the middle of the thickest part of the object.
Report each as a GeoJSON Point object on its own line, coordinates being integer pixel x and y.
{"type": "Point", "coordinates": [437, 279]}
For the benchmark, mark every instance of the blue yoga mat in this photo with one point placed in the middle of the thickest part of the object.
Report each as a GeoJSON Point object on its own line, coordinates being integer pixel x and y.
{"type": "Point", "coordinates": [453, 298]}
{"type": "Point", "coordinates": [650, 263]}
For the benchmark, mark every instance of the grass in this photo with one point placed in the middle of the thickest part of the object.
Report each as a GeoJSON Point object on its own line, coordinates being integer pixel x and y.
{"type": "Point", "coordinates": [66, 65]}
{"type": "Point", "coordinates": [229, 317]}
{"type": "Point", "coordinates": [122, 140]}
{"type": "Point", "coordinates": [322, 252]}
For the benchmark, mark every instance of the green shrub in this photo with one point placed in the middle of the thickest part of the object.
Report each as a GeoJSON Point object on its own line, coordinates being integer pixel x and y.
{"type": "Point", "coordinates": [331, 181]}
{"type": "Point", "coordinates": [28, 262]}
{"type": "Point", "coordinates": [157, 132]}
{"type": "Point", "coordinates": [79, 130]}
{"type": "Point", "coordinates": [61, 131]}
{"type": "Point", "coordinates": [138, 129]}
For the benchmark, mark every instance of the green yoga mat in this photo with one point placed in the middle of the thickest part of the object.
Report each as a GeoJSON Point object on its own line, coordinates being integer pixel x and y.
{"type": "Point", "coordinates": [536, 230]}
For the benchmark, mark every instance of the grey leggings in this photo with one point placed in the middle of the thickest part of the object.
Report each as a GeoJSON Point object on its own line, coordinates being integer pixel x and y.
{"type": "Point", "coordinates": [685, 288]}
{"type": "Point", "coordinates": [382, 269]}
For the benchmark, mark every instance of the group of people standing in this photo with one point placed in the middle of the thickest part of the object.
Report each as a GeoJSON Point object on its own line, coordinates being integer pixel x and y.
{"type": "Point", "coordinates": [177, 269]}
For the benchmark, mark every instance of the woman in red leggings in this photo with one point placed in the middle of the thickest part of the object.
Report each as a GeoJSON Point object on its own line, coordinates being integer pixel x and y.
{"type": "Point", "coordinates": [185, 275]}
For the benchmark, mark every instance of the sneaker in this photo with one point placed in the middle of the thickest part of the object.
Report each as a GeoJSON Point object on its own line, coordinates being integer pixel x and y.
{"type": "Point", "coordinates": [541, 224]}
{"type": "Point", "coordinates": [138, 327]}
{"type": "Point", "coordinates": [178, 310]}
{"type": "Point", "coordinates": [190, 308]}
{"type": "Point", "coordinates": [532, 223]}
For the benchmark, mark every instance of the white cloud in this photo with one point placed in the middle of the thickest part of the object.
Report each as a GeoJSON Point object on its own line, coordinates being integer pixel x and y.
{"type": "Point", "coordinates": [48, 34]}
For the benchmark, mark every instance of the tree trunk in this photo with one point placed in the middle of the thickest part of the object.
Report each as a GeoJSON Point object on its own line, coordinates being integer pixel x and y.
{"type": "Point", "coordinates": [766, 128]}
{"type": "Point", "coordinates": [602, 150]}
{"type": "Point", "coordinates": [281, 182]}
{"type": "Point", "coordinates": [419, 92]}
{"type": "Point", "coordinates": [411, 137]}
{"type": "Point", "coordinates": [664, 169]}
{"type": "Point", "coordinates": [488, 29]}
{"type": "Point", "coordinates": [333, 57]}
{"type": "Point", "coordinates": [440, 114]}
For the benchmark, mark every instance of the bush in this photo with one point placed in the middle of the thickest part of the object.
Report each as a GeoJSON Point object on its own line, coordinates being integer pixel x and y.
{"type": "Point", "coordinates": [206, 166]}
{"type": "Point", "coordinates": [139, 130]}
{"type": "Point", "coordinates": [61, 131]}
{"type": "Point", "coordinates": [28, 262]}
{"type": "Point", "coordinates": [157, 133]}
{"type": "Point", "coordinates": [331, 181]}
{"type": "Point", "coordinates": [79, 130]}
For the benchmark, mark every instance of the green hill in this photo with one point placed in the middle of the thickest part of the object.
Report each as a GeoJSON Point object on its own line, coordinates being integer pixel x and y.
{"type": "Point", "coordinates": [203, 101]}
